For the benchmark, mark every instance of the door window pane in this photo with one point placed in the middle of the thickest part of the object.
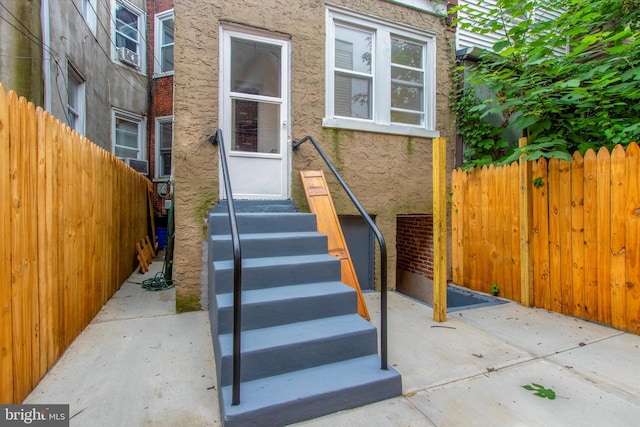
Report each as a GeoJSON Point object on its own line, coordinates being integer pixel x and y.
{"type": "Point", "coordinates": [256, 127]}
{"type": "Point", "coordinates": [255, 67]}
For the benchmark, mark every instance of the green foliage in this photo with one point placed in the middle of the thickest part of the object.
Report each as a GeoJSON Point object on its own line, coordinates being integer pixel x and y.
{"type": "Point", "coordinates": [541, 391]}
{"type": "Point", "coordinates": [573, 81]}
{"type": "Point", "coordinates": [538, 182]}
{"type": "Point", "coordinates": [495, 289]}
{"type": "Point", "coordinates": [483, 141]}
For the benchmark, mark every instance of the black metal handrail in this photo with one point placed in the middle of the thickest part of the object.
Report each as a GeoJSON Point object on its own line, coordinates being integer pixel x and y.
{"type": "Point", "coordinates": [237, 268]}
{"type": "Point", "coordinates": [383, 248]}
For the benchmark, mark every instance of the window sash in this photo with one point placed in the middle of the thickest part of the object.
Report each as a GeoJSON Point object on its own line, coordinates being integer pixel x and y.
{"type": "Point", "coordinates": [401, 97]}
{"type": "Point", "coordinates": [127, 25]}
{"type": "Point", "coordinates": [164, 141]}
{"type": "Point", "coordinates": [164, 42]}
{"type": "Point", "coordinates": [128, 135]}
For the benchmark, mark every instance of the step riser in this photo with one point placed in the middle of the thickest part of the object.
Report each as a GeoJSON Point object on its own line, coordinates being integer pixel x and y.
{"type": "Point", "coordinates": [281, 312]}
{"type": "Point", "coordinates": [272, 276]}
{"type": "Point", "coordinates": [262, 223]}
{"type": "Point", "coordinates": [290, 358]}
{"type": "Point", "coordinates": [309, 407]}
{"type": "Point", "coordinates": [286, 245]}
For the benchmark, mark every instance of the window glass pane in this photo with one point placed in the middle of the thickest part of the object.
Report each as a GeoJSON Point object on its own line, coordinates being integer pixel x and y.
{"type": "Point", "coordinates": [126, 133]}
{"type": "Point", "coordinates": [406, 118]}
{"type": "Point", "coordinates": [352, 96]}
{"type": "Point", "coordinates": [255, 67]}
{"type": "Point", "coordinates": [167, 58]}
{"type": "Point", "coordinates": [126, 28]}
{"type": "Point", "coordinates": [167, 31]}
{"type": "Point", "coordinates": [406, 97]}
{"type": "Point", "coordinates": [166, 135]}
{"type": "Point", "coordinates": [406, 53]}
{"type": "Point", "coordinates": [125, 152]}
{"type": "Point", "coordinates": [353, 49]}
{"type": "Point", "coordinates": [256, 127]}
{"type": "Point", "coordinates": [165, 167]}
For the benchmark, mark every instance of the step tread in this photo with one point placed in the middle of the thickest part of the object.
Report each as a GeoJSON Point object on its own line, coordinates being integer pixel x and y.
{"type": "Point", "coordinates": [315, 385]}
{"type": "Point", "coordinates": [268, 235]}
{"type": "Point", "coordinates": [284, 335]}
{"type": "Point", "coordinates": [273, 261]}
{"type": "Point", "coordinates": [257, 296]}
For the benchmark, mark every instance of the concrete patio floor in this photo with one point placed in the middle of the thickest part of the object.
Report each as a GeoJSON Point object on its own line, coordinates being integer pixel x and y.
{"type": "Point", "coordinates": [140, 364]}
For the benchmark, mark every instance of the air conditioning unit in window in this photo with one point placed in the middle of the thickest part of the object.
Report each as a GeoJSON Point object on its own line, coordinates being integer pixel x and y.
{"type": "Point", "coordinates": [141, 166]}
{"type": "Point", "coordinates": [128, 56]}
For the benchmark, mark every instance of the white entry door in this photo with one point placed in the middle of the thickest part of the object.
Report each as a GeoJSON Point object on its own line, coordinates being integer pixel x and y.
{"type": "Point", "coordinates": [255, 109]}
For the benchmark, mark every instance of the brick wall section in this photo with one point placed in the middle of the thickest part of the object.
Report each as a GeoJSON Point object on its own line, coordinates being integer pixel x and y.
{"type": "Point", "coordinates": [161, 97]}
{"type": "Point", "coordinates": [414, 244]}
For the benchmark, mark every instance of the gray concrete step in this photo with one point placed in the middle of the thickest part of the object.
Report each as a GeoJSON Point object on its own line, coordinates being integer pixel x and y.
{"type": "Point", "coordinates": [287, 348]}
{"type": "Point", "coordinates": [262, 308]}
{"type": "Point", "coordinates": [310, 393]}
{"type": "Point", "coordinates": [255, 245]}
{"type": "Point", "coordinates": [263, 222]}
{"type": "Point", "coordinates": [268, 272]}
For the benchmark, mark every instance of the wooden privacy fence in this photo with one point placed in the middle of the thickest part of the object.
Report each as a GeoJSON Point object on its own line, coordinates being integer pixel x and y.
{"type": "Point", "coordinates": [577, 223]}
{"type": "Point", "coordinates": [70, 216]}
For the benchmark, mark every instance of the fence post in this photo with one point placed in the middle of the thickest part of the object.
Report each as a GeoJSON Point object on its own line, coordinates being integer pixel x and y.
{"type": "Point", "coordinates": [439, 168]}
{"type": "Point", "coordinates": [526, 285]}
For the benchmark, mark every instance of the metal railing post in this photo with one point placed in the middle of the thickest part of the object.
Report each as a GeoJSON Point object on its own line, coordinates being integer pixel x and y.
{"type": "Point", "coordinates": [237, 269]}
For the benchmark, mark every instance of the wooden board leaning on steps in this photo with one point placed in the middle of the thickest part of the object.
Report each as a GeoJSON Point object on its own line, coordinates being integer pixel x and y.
{"type": "Point", "coordinates": [321, 204]}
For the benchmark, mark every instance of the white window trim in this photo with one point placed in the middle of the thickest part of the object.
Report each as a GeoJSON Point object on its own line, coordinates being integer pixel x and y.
{"type": "Point", "coordinates": [381, 108]}
{"type": "Point", "coordinates": [142, 126]}
{"type": "Point", "coordinates": [80, 109]}
{"type": "Point", "coordinates": [159, 121]}
{"type": "Point", "coordinates": [157, 63]}
{"type": "Point", "coordinates": [89, 11]}
{"type": "Point", "coordinates": [142, 27]}
{"type": "Point", "coordinates": [435, 7]}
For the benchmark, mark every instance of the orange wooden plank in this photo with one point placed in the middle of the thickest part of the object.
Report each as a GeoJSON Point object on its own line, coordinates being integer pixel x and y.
{"type": "Point", "coordinates": [564, 217]}
{"type": "Point", "coordinates": [474, 221]}
{"type": "Point", "coordinates": [492, 203]}
{"type": "Point", "coordinates": [513, 224]}
{"type": "Point", "coordinates": [457, 224]}
{"type": "Point", "coordinates": [555, 265]}
{"type": "Point", "coordinates": [503, 244]}
{"type": "Point", "coordinates": [485, 266]}
{"type": "Point", "coordinates": [618, 236]}
{"type": "Point", "coordinates": [603, 233]}
{"type": "Point", "coordinates": [577, 235]}
{"type": "Point", "coordinates": [591, 236]}
{"type": "Point", "coordinates": [540, 235]}
{"type": "Point", "coordinates": [6, 309]}
{"type": "Point", "coordinates": [632, 237]}
{"type": "Point", "coordinates": [320, 203]}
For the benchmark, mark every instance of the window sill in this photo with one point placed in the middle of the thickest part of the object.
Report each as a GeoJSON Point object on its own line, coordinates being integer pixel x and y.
{"type": "Point", "coordinates": [391, 129]}
{"type": "Point", "coordinates": [160, 75]}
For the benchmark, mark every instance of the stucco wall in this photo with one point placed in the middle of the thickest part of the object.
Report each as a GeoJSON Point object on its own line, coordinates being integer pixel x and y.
{"type": "Point", "coordinates": [391, 175]}
{"type": "Point", "coordinates": [107, 83]}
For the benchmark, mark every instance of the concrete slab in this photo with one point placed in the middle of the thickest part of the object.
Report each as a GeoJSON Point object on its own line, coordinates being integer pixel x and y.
{"type": "Point", "coordinates": [132, 301]}
{"type": "Point", "coordinates": [612, 364]}
{"type": "Point", "coordinates": [155, 370]}
{"type": "Point", "coordinates": [499, 399]}
{"type": "Point", "coordinates": [540, 332]}
{"type": "Point", "coordinates": [392, 412]}
{"type": "Point", "coordinates": [427, 353]}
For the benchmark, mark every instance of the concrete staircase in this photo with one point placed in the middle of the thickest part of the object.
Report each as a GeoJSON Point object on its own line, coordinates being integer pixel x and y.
{"type": "Point", "coordinates": [305, 350]}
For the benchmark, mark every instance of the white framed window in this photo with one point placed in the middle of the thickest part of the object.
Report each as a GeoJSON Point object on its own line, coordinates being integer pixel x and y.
{"type": "Point", "coordinates": [164, 43]}
{"type": "Point", "coordinates": [380, 76]}
{"type": "Point", "coordinates": [164, 143]}
{"type": "Point", "coordinates": [76, 105]}
{"type": "Point", "coordinates": [89, 8]}
{"type": "Point", "coordinates": [128, 135]}
{"type": "Point", "coordinates": [128, 29]}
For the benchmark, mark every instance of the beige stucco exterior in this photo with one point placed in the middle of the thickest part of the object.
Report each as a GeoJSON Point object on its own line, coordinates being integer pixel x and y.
{"type": "Point", "coordinates": [390, 174]}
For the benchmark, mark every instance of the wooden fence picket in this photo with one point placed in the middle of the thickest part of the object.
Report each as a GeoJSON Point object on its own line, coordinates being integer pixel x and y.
{"type": "Point", "coordinates": [70, 214]}
{"type": "Point", "coordinates": [584, 240]}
